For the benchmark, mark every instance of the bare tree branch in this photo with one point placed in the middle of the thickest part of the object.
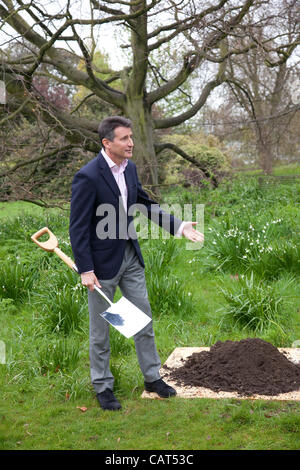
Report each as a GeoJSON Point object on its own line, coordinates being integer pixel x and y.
{"type": "Point", "coordinates": [194, 161]}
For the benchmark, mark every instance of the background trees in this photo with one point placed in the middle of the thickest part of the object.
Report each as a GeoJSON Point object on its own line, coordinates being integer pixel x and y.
{"type": "Point", "coordinates": [55, 75]}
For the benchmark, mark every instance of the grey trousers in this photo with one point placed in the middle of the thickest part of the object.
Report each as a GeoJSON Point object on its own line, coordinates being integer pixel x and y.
{"type": "Point", "coordinates": [131, 280]}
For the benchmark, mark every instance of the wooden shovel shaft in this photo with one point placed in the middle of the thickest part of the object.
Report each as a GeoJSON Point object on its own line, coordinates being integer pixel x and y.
{"type": "Point", "coordinates": [66, 259]}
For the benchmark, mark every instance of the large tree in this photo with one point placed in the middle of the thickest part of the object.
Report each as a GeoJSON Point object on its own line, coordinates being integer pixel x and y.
{"type": "Point", "coordinates": [52, 44]}
{"type": "Point", "coordinates": [266, 94]}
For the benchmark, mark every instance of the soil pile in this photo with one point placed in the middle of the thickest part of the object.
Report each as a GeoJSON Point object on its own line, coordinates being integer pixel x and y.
{"type": "Point", "coordinates": [248, 367]}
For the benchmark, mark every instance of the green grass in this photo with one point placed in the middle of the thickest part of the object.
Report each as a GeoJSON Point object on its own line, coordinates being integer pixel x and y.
{"type": "Point", "coordinates": [278, 170]}
{"type": "Point", "coordinates": [45, 382]}
{"type": "Point", "coordinates": [292, 169]}
{"type": "Point", "coordinates": [44, 423]}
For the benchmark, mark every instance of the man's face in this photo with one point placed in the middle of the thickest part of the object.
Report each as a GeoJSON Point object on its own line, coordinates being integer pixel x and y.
{"type": "Point", "coordinates": [121, 147]}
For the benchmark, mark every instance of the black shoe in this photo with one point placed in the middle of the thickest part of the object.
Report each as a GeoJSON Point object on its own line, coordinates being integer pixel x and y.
{"type": "Point", "coordinates": [161, 388]}
{"type": "Point", "coordinates": [108, 401]}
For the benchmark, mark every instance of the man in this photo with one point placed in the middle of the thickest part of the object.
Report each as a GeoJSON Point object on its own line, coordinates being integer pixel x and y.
{"type": "Point", "coordinates": [114, 258]}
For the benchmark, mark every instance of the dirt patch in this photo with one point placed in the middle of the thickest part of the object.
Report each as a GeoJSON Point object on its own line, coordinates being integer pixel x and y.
{"type": "Point", "coordinates": [248, 367]}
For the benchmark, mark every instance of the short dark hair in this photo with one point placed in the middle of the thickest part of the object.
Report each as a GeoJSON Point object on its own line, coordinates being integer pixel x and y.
{"type": "Point", "coordinates": [106, 128]}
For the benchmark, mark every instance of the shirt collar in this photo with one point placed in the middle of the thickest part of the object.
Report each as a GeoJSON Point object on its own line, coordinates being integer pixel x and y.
{"type": "Point", "coordinates": [112, 165]}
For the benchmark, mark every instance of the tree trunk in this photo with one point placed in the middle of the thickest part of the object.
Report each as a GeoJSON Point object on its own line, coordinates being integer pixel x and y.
{"type": "Point", "coordinates": [266, 161]}
{"type": "Point", "coordinates": [136, 106]}
{"type": "Point", "coordinates": [144, 151]}
{"type": "Point", "coordinates": [265, 156]}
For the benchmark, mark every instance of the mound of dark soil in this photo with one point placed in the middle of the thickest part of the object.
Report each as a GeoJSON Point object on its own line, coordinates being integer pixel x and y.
{"type": "Point", "coordinates": [247, 367]}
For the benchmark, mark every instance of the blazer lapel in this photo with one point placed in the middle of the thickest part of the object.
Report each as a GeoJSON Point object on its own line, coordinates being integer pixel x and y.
{"type": "Point", "coordinates": [130, 182]}
{"type": "Point", "coordinates": [108, 176]}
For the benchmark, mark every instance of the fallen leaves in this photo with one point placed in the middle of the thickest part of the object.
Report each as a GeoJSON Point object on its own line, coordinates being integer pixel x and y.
{"type": "Point", "coordinates": [82, 408]}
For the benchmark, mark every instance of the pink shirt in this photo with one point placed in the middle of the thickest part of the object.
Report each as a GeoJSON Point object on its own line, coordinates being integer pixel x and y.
{"type": "Point", "coordinates": [118, 172]}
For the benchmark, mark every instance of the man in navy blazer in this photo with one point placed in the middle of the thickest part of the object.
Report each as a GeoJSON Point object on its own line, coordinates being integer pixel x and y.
{"type": "Point", "coordinates": [107, 253]}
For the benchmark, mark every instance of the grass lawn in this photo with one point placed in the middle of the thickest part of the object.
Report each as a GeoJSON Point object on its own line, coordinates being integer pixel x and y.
{"type": "Point", "coordinates": [46, 399]}
{"type": "Point", "coordinates": [41, 422]}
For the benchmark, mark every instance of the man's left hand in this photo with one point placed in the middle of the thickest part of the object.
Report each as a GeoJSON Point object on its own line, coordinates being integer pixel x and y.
{"type": "Point", "coordinates": [191, 234]}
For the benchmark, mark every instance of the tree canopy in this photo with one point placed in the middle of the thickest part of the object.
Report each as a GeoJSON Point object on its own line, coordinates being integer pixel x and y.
{"type": "Point", "coordinates": [46, 48]}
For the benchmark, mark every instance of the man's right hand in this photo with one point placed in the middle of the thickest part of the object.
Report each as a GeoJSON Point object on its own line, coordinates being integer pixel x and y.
{"type": "Point", "coordinates": [89, 280]}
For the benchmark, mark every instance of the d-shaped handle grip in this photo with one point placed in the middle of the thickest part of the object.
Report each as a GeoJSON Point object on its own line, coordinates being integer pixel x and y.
{"type": "Point", "coordinates": [48, 245]}
{"type": "Point", "coordinates": [52, 245]}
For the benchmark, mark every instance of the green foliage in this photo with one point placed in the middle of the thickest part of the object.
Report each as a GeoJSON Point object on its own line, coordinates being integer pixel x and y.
{"type": "Point", "coordinates": [51, 175]}
{"type": "Point", "coordinates": [46, 333]}
{"type": "Point", "coordinates": [261, 249]}
{"type": "Point", "coordinates": [166, 293]}
{"type": "Point", "coordinates": [244, 241]}
{"type": "Point", "coordinates": [252, 304]}
{"type": "Point", "coordinates": [20, 228]}
{"type": "Point", "coordinates": [206, 149]}
{"type": "Point", "coordinates": [60, 309]}
{"type": "Point", "coordinates": [16, 280]}
{"type": "Point", "coordinates": [119, 345]}
{"type": "Point", "coordinates": [7, 305]}
{"type": "Point", "coordinates": [59, 354]}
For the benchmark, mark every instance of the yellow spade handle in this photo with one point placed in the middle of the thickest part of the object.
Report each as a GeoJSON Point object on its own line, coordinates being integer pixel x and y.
{"type": "Point", "coordinates": [52, 245]}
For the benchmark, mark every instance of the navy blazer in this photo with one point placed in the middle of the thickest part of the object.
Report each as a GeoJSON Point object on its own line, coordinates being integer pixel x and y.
{"type": "Point", "coordinates": [93, 187]}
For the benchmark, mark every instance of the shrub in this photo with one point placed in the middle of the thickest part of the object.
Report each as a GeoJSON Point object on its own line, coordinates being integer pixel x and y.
{"type": "Point", "coordinates": [61, 354]}
{"type": "Point", "coordinates": [119, 345]}
{"type": "Point", "coordinates": [16, 280]}
{"type": "Point", "coordinates": [160, 255]}
{"type": "Point", "coordinates": [74, 385]}
{"type": "Point", "coordinates": [166, 293]}
{"type": "Point", "coordinates": [255, 305]}
{"type": "Point", "coordinates": [61, 309]}
{"type": "Point", "coordinates": [258, 243]}
{"type": "Point", "coordinates": [21, 228]}
{"type": "Point", "coordinates": [207, 150]}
